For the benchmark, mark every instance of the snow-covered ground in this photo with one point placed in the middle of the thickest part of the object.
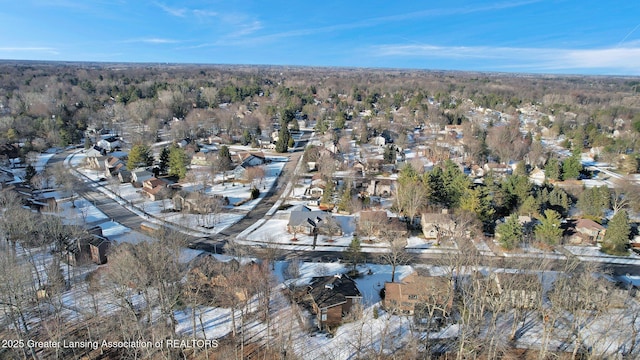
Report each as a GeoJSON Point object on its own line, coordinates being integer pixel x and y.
{"type": "Point", "coordinates": [593, 253]}
{"type": "Point", "coordinates": [161, 210]}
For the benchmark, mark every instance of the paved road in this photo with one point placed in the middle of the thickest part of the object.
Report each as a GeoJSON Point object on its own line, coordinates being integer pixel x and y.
{"type": "Point", "coordinates": [216, 242]}
{"type": "Point", "coordinates": [108, 206]}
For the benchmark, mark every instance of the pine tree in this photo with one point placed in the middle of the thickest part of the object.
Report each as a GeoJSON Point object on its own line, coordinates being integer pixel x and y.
{"type": "Point", "coordinates": [616, 239]}
{"type": "Point", "coordinates": [139, 156]}
{"type": "Point", "coordinates": [353, 253]}
{"type": "Point", "coordinates": [282, 145]}
{"type": "Point", "coordinates": [510, 232]}
{"type": "Point", "coordinates": [224, 158]}
{"type": "Point", "coordinates": [549, 230]}
{"type": "Point", "coordinates": [593, 201]}
{"type": "Point", "coordinates": [164, 160]}
{"type": "Point", "coordinates": [553, 170]}
{"type": "Point", "coordinates": [571, 168]}
{"type": "Point", "coordinates": [178, 161]}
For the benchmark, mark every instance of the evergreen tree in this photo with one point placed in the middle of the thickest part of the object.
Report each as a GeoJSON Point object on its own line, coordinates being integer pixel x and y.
{"type": "Point", "coordinates": [549, 230]}
{"type": "Point", "coordinates": [477, 201]}
{"type": "Point", "coordinates": [282, 145]}
{"type": "Point", "coordinates": [455, 183]}
{"type": "Point", "coordinates": [616, 239]}
{"type": "Point", "coordinates": [139, 156]}
{"type": "Point", "coordinates": [389, 154]}
{"type": "Point", "coordinates": [435, 185]}
{"type": "Point", "coordinates": [224, 158]}
{"type": "Point", "coordinates": [553, 169]}
{"type": "Point", "coordinates": [518, 189]}
{"type": "Point", "coordinates": [571, 168]}
{"type": "Point", "coordinates": [593, 202]}
{"type": "Point", "coordinates": [510, 232]}
{"type": "Point", "coordinates": [559, 201]}
{"type": "Point", "coordinates": [340, 120]}
{"type": "Point", "coordinates": [345, 199]}
{"type": "Point", "coordinates": [164, 160]}
{"type": "Point", "coordinates": [353, 253]}
{"type": "Point", "coordinates": [246, 137]}
{"type": "Point", "coordinates": [529, 207]}
{"type": "Point", "coordinates": [327, 195]}
{"type": "Point", "coordinates": [178, 161]}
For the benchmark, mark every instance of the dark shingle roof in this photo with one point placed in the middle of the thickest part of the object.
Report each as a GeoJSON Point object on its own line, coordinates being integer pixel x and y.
{"type": "Point", "coordinates": [328, 291]}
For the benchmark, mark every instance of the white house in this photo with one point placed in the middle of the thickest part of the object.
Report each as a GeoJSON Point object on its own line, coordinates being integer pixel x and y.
{"type": "Point", "coordinates": [140, 175]}
{"type": "Point", "coordinates": [110, 143]}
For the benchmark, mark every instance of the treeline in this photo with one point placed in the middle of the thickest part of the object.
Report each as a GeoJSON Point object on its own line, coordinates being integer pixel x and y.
{"type": "Point", "coordinates": [50, 104]}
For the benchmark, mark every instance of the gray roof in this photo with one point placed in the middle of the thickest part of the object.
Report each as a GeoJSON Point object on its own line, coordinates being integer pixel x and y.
{"type": "Point", "coordinates": [302, 217]}
{"type": "Point", "coordinates": [328, 291]}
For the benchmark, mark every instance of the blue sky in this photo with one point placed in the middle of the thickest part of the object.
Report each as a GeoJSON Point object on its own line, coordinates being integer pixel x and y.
{"type": "Point", "coordinates": [533, 36]}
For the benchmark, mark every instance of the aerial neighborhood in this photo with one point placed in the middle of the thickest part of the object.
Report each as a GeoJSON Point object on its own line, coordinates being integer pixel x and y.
{"type": "Point", "coordinates": [318, 213]}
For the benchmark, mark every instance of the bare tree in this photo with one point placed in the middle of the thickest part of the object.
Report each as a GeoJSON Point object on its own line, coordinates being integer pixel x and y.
{"type": "Point", "coordinates": [396, 253]}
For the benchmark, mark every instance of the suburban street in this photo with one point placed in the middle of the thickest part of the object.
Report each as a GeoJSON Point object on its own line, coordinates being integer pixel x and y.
{"type": "Point", "coordinates": [216, 242]}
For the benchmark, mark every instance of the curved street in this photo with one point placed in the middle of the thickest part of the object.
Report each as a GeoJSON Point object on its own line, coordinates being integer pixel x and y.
{"type": "Point", "coordinates": [215, 243]}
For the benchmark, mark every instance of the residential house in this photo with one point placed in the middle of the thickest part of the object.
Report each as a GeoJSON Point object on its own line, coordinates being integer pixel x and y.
{"type": "Point", "coordinates": [312, 166]}
{"type": "Point", "coordinates": [110, 143]}
{"type": "Point", "coordinates": [124, 175]}
{"type": "Point", "coordinates": [308, 222]}
{"type": "Point", "coordinates": [428, 297]}
{"type": "Point", "coordinates": [202, 159]}
{"type": "Point", "coordinates": [587, 231]}
{"type": "Point", "coordinates": [316, 191]}
{"type": "Point", "coordinates": [498, 169]}
{"type": "Point", "coordinates": [94, 157]}
{"type": "Point", "coordinates": [359, 168]}
{"type": "Point", "coordinates": [98, 247]}
{"type": "Point", "coordinates": [380, 187]}
{"type": "Point", "coordinates": [477, 171]}
{"type": "Point", "coordinates": [252, 158]}
{"type": "Point", "coordinates": [332, 298]}
{"type": "Point", "coordinates": [248, 160]}
{"type": "Point", "coordinates": [113, 165]}
{"type": "Point", "coordinates": [379, 140]}
{"type": "Point", "coordinates": [156, 189]}
{"type": "Point", "coordinates": [374, 222]}
{"type": "Point", "coordinates": [138, 176]}
{"type": "Point", "coordinates": [183, 143]}
{"type": "Point", "coordinates": [198, 203]}
{"type": "Point", "coordinates": [437, 225]}
{"type": "Point", "coordinates": [537, 176]}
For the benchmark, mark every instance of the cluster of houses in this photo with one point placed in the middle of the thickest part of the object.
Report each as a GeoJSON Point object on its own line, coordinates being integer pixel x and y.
{"type": "Point", "coordinates": [429, 299]}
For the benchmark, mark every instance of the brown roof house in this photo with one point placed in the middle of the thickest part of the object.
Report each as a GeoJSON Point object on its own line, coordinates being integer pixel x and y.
{"type": "Point", "coordinates": [428, 298]}
{"type": "Point", "coordinates": [437, 225]}
{"type": "Point", "coordinates": [589, 230]}
{"type": "Point", "coordinates": [332, 298]}
{"type": "Point", "coordinates": [375, 222]}
{"type": "Point", "coordinates": [156, 189]}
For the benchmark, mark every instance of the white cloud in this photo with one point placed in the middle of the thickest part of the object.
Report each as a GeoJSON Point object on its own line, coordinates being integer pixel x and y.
{"type": "Point", "coordinates": [376, 21]}
{"type": "Point", "coordinates": [179, 12]}
{"type": "Point", "coordinates": [623, 59]}
{"type": "Point", "coordinates": [186, 12]}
